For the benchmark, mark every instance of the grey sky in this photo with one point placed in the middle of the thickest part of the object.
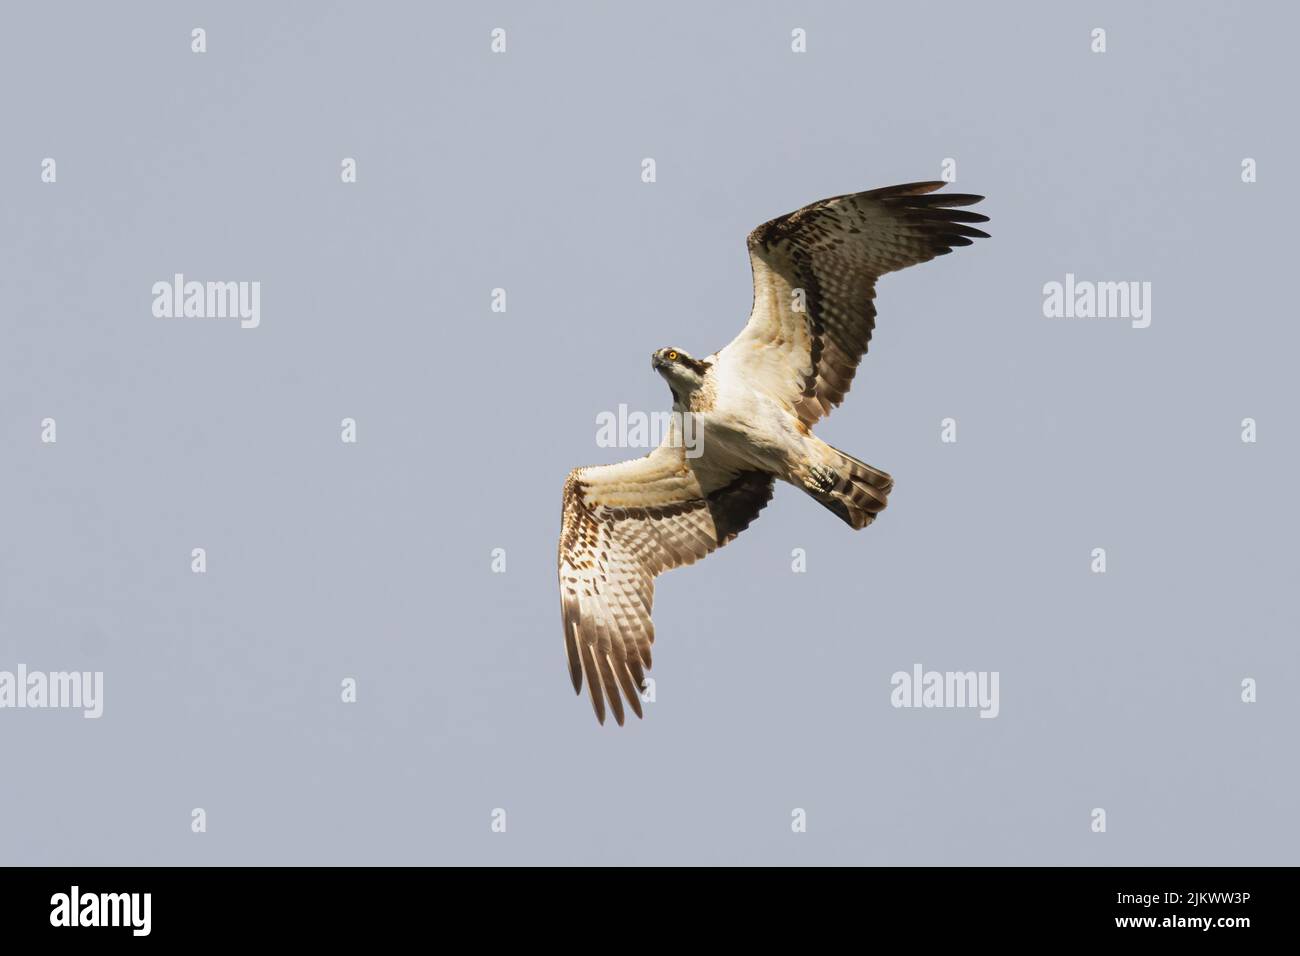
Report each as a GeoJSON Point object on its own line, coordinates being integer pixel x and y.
{"type": "Point", "coordinates": [328, 560]}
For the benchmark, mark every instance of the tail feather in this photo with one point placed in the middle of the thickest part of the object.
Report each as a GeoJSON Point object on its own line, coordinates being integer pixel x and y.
{"type": "Point", "coordinates": [852, 489]}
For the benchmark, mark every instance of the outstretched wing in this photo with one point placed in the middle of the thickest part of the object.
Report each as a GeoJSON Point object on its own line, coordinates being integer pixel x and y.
{"type": "Point", "coordinates": [622, 525]}
{"type": "Point", "coordinates": [825, 259]}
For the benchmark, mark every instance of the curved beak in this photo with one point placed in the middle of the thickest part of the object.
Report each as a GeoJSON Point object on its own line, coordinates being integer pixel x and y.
{"type": "Point", "coordinates": [657, 362]}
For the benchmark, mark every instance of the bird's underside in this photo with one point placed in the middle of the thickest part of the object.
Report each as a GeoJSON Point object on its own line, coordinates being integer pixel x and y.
{"type": "Point", "coordinates": [753, 404]}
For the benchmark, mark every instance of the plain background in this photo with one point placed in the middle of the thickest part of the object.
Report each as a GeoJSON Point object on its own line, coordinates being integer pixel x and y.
{"type": "Point", "coordinates": [522, 171]}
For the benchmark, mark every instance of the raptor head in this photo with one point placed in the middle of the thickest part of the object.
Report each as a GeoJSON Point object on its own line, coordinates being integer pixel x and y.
{"type": "Point", "coordinates": [683, 373]}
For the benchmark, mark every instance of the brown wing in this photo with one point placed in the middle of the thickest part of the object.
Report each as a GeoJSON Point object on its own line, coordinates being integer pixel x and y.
{"type": "Point", "coordinates": [827, 258]}
{"type": "Point", "coordinates": [622, 525]}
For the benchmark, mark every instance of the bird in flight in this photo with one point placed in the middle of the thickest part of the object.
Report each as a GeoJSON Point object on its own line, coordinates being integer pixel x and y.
{"type": "Point", "coordinates": [752, 405]}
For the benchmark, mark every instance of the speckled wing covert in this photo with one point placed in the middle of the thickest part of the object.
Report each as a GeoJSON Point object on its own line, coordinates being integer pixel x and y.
{"type": "Point", "coordinates": [834, 251]}
{"type": "Point", "coordinates": [621, 526]}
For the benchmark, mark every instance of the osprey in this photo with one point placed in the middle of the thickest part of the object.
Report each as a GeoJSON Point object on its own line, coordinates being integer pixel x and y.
{"type": "Point", "coordinates": [753, 404]}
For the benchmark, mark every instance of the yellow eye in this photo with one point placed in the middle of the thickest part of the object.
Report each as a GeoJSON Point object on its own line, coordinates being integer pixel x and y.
{"type": "Point", "coordinates": [672, 356]}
